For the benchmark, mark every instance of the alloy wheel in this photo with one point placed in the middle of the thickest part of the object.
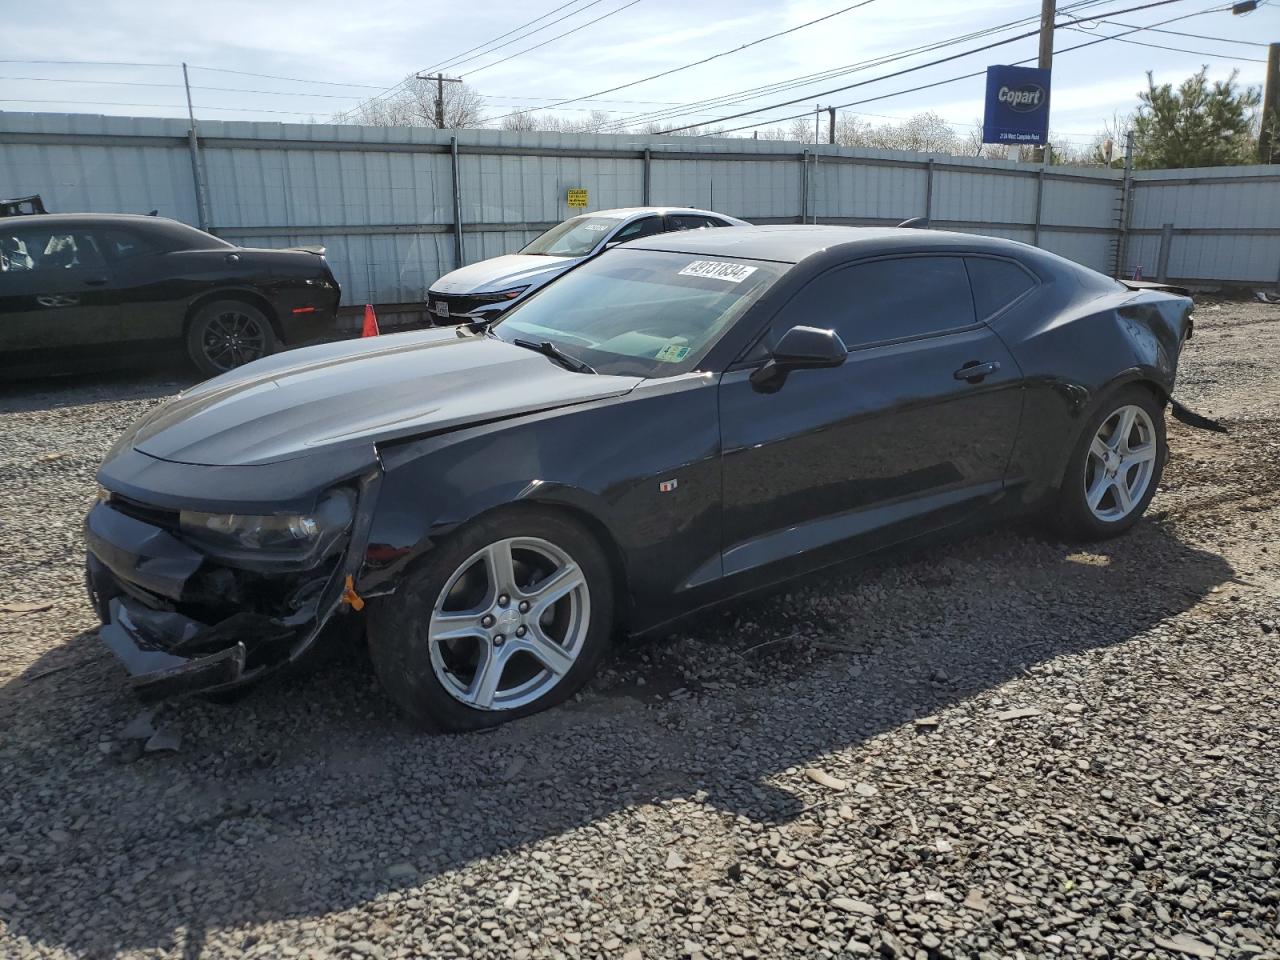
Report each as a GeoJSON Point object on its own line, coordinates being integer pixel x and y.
{"type": "Point", "coordinates": [509, 624]}
{"type": "Point", "coordinates": [1120, 464]}
{"type": "Point", "coordinates": [233, 338]}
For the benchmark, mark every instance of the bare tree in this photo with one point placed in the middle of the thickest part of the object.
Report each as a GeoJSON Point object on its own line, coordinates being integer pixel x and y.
{"type": "Point", "coordinates": [524, 121]}
{"type": "Point", "coordinates": [850, 130]}
{"type": "Point", "coordinates": [597, 121]}
{"type": "Point", "coordinates": [414, 105]}
{"type": "Point", "coordinates": [971, 145]}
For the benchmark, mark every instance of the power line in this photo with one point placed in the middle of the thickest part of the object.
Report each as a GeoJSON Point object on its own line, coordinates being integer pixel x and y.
{"type": "Point", "coordinates": [459, 60]}
{"type": "Point", "coordinates": [742, 96]}
{"type": "Point", "coordinates": [696, 63]}
{"type": "Point", "coordinates": [557, 37]}
{"type": "Point", "coordinates": [96, 63]}
{"type": "Point", "coordinates": [1161, 46]}
{"type": "Point", "coordinates": [143, 83]}
{"type": "Point", "coordinates": [922, 66]}
{"type": "Point", "coordinates": [966, 76]}
{"type": "Point", "coordinates": [98, 82]}
{"type": "Point", "coordinates": [391, 90]}
{"type": "Point", "coordinates": [133, 63]}
{"type": "Point", "coordinates": [1180, 33]}
{"type": "Point", "coordinates": [272, 76]}
{"type": "Point", "coordinates": [165, 106]}
{"type": "Point", "coordinates": [447, 62]}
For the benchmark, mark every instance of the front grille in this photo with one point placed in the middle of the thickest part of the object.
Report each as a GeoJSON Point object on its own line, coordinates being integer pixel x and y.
{"type": "Point", "coordinates": [458, 305]}
{"type": "Point", "coordinates": [156, 516]}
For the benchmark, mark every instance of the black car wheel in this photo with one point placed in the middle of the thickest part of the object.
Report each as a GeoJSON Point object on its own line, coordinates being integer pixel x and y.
{"type": "Point", "coordinates": [1115, 468]}
{"type": "Point", "coordinates": [226, 334]}
{"type": "Point", "coordinates": [509, 616]}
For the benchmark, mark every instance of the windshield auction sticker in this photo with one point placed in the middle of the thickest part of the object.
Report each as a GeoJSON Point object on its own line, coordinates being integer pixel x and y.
{"type": "Point", "coordinates": [718, 270]}
{"type": "Point", "coordinates": [672, 353]}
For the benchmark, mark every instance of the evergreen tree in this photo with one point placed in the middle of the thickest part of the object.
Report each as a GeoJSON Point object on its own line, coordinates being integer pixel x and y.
{"type": "Point", "coordinates": [1201, 124]}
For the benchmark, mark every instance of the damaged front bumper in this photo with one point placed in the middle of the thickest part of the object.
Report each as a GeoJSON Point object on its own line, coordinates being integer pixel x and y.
{"type": "Point", "coordinates": [181, 622]}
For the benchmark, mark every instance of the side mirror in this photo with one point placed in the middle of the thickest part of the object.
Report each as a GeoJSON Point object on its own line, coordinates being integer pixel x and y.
{"type": "Point", "coordinates": [799, 348]}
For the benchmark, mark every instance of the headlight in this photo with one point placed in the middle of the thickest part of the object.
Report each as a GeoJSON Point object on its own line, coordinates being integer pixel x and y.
{"type": "Point", "coordinates": [501, 296]}
{"type": "Point", "coordinates": [294, 534]}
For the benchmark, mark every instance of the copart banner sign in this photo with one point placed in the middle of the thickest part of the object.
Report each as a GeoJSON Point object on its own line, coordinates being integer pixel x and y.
{"type": "Point", "coordinates": [1017, 108]}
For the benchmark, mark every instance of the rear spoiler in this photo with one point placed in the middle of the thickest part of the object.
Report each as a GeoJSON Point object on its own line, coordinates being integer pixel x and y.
{"type": "Point", "coordinates": [315, 248]}
{"type": "Point", "coordinates": [1153, 285]}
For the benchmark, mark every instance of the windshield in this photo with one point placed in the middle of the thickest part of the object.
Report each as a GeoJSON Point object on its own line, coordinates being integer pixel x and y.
{"type": "Point", "coordinates": [573, 238]}
{"type": "Point", "coordinates": [641, 312]}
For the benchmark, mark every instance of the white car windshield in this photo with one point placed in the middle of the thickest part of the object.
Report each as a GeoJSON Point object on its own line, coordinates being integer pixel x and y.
{"type": "Point", "coordinates": [573, 238]}
{"type": "Point", "coordinates": [641, 312]}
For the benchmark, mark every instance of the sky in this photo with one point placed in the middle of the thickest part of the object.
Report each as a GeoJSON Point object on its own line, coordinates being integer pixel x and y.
{"type": "Point", "coordinates": [328, 55]}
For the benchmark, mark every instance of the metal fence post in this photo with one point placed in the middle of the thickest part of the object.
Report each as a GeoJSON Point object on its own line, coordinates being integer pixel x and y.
{"type": "Point", "coordinates": [646, 185]}
{"type": "Point", "coordinates": [804, 186]}
{"type": "Point", "coordinates": [202, 207]}
{"type": "Point", "coordinates": [1040, 196]}
{"type": "Point", "coordinates": [1166, 242]}
{"type": "Point", "coordinates": [1126, 207]}
{"type": "Point", "coordinates": [928, 189]}
{"type": "Point", "coordinates": [457, 203]}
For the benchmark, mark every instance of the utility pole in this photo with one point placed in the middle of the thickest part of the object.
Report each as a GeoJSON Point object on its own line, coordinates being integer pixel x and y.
{"type": "Point", "coordinates": [817, 112]}
{"type": "Point", "coordinates": [1048, 13]}
{"type": "Point", "coordinates": [831, 124]}
{"type": "Point", "coordinates": [1267, 148]}
{"type": "Point", "coordinates": [440, 80]}
{"type": "Point", "coordinates": [193, 144]}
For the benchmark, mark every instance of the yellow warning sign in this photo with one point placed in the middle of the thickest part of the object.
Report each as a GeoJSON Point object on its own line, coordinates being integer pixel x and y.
{"type": "Point", "coordinates": [577, 196]}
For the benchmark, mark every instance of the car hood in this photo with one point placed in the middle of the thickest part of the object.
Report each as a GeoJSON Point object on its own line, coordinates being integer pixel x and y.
{"type": "Point", "coordinates": [502, 273]}
{"type": "Point", "coordinates": [357, 392]}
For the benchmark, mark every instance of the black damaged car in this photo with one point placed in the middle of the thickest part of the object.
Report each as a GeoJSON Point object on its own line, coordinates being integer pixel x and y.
{"type": "Point", "coordinates": [674, 423]}
{"type": "Point", "coordinates": [89, 291]}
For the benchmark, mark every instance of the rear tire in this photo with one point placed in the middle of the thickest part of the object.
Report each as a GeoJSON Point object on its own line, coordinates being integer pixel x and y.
{"type": "Point", "coordinates": [226, 334]}
{"type": "Point", "coordinates": [1115, 467]}
{"type": "Point", "coordinates": [507, 617]}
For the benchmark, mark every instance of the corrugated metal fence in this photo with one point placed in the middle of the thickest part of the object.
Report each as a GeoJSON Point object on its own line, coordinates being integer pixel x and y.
{"type": "Point", "coordinates": [387, 201]}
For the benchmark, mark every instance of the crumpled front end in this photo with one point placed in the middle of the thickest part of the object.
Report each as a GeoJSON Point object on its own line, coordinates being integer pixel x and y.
{"type": "Point", "coordinates": [183, 620]}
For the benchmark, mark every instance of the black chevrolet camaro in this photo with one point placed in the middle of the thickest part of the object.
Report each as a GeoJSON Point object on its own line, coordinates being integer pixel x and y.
{"type": "Point", "coordinates": [84, 291]}
{"type": "Point", "coordinates": [670, 425]}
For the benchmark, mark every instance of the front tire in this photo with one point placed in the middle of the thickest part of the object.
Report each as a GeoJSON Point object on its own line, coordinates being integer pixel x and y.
{"type": "Point", "coordinates": [226, 334]}
{"type": "Point", "coordinates": [509, 616]}
{"type": "Point", "coordinates": [1115, 467]}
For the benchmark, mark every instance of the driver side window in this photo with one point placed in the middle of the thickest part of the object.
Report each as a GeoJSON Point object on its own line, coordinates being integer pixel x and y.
{"type": "Point", "coordinates": [881, 300]}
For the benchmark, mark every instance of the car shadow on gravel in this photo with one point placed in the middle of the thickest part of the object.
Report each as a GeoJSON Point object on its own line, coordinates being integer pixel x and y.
{"type": "Point", "coordinates": [311, 796]}
{"type": "Point", "coordinates": [151, 381]}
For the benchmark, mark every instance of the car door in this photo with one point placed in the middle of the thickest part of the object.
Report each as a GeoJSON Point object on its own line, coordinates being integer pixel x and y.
{"type": "Point", "coordinates": [57, 293]}
{"type": "Point", "coordinates": [151, 288]}
{"type": "Point", "coordinates": [896, 441]}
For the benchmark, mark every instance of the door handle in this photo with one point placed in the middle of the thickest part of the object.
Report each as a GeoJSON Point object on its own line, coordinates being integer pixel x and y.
{"type": "Point", "coordinates": [96, 281]}
{"type": "Point", "coordinates": [974, 371]}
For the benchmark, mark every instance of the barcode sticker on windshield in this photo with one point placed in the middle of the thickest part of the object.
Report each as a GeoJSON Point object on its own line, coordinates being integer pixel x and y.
{"type": "Point", "coordinates": [672, 353]}
{"type": "Point", "coordinates": [718, 270]}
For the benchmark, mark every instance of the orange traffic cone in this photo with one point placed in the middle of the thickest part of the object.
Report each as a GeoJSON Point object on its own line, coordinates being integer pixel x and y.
{"type": "Point", "coordinates": [370, 322]}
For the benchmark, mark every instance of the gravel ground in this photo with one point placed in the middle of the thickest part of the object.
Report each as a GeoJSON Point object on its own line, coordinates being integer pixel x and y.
{"type": "Point", "coordinates": [1009, 747]}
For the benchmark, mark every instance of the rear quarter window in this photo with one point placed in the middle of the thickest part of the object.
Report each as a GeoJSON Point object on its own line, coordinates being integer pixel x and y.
{"type": "Point", "coordinates": [996, 284]}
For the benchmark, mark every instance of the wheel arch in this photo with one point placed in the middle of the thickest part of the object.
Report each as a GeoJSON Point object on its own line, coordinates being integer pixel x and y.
{"type": "Point", "coordinates": [251, 297]}
{"type": "Point", "coordinates": [601, 533]}
{"type": "Point", "coordinates": [556, 502]}
{"type": "Point", "coordinates": [1146, 379]}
